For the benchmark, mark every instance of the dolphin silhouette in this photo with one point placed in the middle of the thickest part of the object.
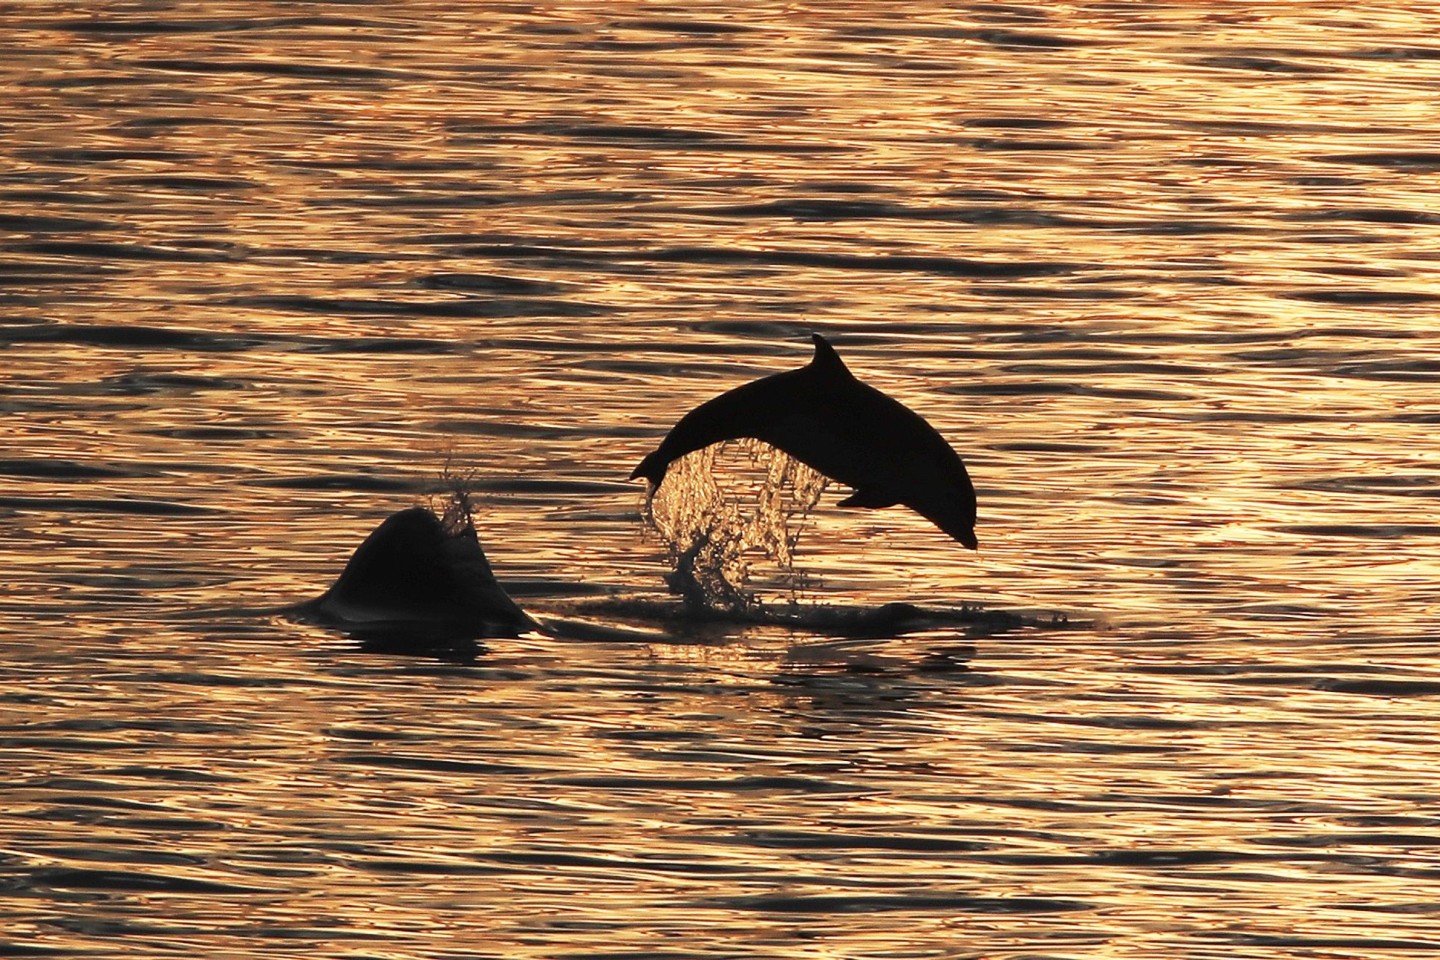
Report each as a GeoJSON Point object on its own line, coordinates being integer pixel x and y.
{"type": "Point", "coordinates": [849, 431]}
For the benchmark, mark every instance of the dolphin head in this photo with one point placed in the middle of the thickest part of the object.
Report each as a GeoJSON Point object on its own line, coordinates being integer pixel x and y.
{"type": "Point", "coordinates": [948, 500]}
{"type": "Point", "coordinates": [956, 523]}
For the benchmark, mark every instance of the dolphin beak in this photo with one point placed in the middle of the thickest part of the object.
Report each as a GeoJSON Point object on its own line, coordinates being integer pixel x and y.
{"type": "Point", "coordinates": [960, 530]}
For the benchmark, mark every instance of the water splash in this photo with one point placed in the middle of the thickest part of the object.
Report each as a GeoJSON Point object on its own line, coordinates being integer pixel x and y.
{"type": "Point", "coordinates": [454, 502]}
{"type": "Point", "coordinates": [727, 511]}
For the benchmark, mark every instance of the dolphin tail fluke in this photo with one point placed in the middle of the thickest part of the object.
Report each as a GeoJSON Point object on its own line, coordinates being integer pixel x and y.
{"type": "Point", "coordinates": [652, 468]}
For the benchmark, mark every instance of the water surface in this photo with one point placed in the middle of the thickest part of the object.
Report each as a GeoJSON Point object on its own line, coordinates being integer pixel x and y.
{"type": "Point", "coordinates": [1164, 275]}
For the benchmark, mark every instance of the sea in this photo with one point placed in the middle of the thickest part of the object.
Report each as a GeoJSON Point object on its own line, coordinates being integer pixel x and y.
{"type": "Point", "coordinates": [1166, 275]}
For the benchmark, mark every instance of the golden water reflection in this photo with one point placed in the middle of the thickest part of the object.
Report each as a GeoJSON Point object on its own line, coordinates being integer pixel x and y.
{"type": "Point", "coordinates": [1163, 276]}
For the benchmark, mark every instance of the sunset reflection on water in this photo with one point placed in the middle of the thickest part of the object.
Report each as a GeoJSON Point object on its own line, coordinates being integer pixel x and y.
{"type": "Point", "coordinates": [1163, 276]}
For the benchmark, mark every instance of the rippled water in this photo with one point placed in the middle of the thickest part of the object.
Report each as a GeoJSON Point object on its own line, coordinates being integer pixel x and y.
{"type": "Point", "coordinates": [1165, 275]}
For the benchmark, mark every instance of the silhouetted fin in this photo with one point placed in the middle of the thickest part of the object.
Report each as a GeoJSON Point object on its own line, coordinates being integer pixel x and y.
{"type": "Point", "coordinates": [869, 498]}
{"type": "Point", "coordinates": [847, 430]}
{"type": "Point", "coordinates": [826, 360]}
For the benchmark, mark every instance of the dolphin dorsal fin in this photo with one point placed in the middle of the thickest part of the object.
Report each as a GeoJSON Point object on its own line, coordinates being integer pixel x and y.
{"type": "Point", "coordinates": [826, 360]}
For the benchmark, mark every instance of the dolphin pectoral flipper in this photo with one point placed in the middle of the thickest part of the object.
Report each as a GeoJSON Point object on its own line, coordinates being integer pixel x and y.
{"type": "Point", "coordinates": [869, 498]}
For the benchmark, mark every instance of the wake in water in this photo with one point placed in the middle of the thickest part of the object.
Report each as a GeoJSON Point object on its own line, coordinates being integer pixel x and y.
{"type": "Point", "coordinates": [722, 519]}
{"type": "Point", "coordinates": [731, 518]}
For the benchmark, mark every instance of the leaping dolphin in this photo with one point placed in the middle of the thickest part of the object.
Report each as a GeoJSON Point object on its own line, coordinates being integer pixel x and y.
{"type": "Point", "coordinates": [849, 431]}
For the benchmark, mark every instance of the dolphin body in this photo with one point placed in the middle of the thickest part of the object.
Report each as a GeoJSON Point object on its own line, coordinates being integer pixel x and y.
{"type": "Point", "coordinates": [849, 431]}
